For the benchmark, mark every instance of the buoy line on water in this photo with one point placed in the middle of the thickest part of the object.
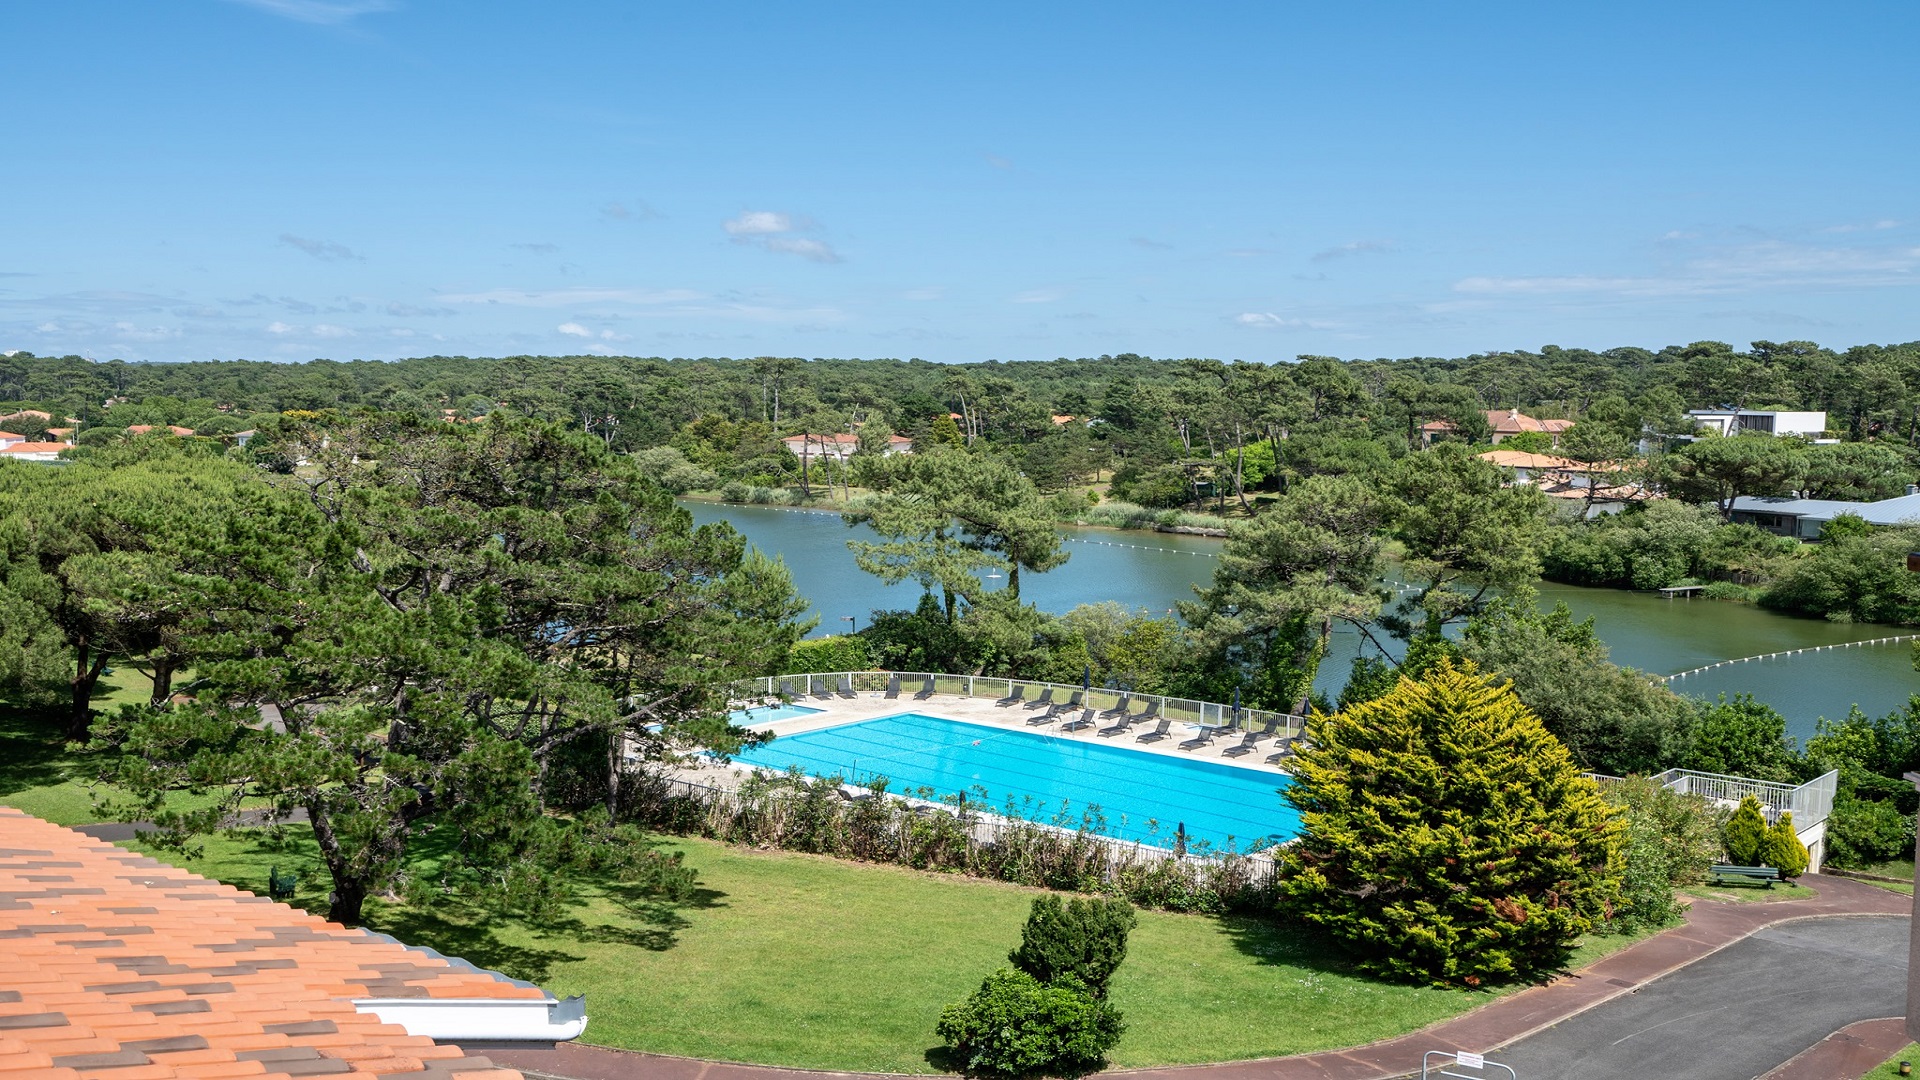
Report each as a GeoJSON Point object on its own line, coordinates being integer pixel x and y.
{"type": "Point", "coordinates": [1789, 652]}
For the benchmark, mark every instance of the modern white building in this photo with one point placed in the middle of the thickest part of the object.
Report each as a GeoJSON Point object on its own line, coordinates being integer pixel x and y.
{"type": "Point", "coordinates": [1804, 518]}
{"type": "Point", "coordinates": [1810, 425]}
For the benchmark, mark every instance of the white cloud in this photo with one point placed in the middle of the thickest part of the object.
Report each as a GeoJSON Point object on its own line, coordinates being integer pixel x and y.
{"type": "Point", "coordinates": [1538, 285]}
{"type": "Point", "coordinates": [280, 328]}
{"type": "Point", "coordinates": [321, 12]}
{"type": "Point", "coordinates": [574, 329]}
{"type": "Point", "coordinates": [1874, 226]}
{"type": "Point", "coordinates": [1742, 268]}
{"type": "Point", "coordinates": [767, 230]}
{"type": "Point", "coordinates": [328, 330]}
{"type": "Point", "coordinates": [758, 223]}
{"type": "Point", "coordinates": [1267, 320]}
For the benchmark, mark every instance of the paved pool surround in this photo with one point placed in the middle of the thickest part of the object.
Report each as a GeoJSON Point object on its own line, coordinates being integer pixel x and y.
{"type": "Point", "coordinates": [841, 711]}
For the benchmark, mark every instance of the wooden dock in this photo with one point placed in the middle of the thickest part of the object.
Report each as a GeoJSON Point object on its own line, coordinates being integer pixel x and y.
{"type": "Point", "coordinates": [1687, 591]}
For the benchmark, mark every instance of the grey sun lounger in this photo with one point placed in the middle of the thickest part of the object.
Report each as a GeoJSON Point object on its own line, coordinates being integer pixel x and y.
{"type": "Point", "coordinates": [893, 687]}
{"type": "Point", "coordinates": [846, 686]}
{"type": "Point", "coordinates": [1120, 707]}
{"type": "Point", "coordinates": [1085, 719]}
{"type": "Point", "coordinates": [825, 693]}
{"type": "Point", "coordinates": [1283, 750]}
{"type": "Point", "coordinates": [1204, 738]}
{"type": "Point", "coordinates": [1119, 727]}
{"type": "Point", "coordinates": [787, 691]}
{"type": "Point", "coordinates": [1044, 701]}
{"type": "Point", "coordinates": [1044, 717]}
{"type": "Point", "coordinates": [1245, 746]}
{"type": "Point", "coordinates": [1016, 694]}
{"type": "Point", "coordinates": [924, 692]}
{"type": "Point", "coordinates": [1160, 731]}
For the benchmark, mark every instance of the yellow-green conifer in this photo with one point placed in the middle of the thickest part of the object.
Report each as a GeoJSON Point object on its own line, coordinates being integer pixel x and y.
{"type": "Point", "coordinates": [1746, 833]}
{"type": "Point", "coordinates": [1783, 850]}
{"type": "Point", "coordinates": [1448, 837]}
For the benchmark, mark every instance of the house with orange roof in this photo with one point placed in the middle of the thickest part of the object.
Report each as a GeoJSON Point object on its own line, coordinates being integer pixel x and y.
{"type": "Point", "coordinates": [146, 429]}
{"type": "Point", "coordinates": [1507, 423]}
{"type": "Point", "coordinates": [839, 447]}
{"type": "Point", "coordinates": [34, 451]}
{"type": "Point", "coordinates": [8, 438]}
{"type": "Point", "coordinates": [122, 967]}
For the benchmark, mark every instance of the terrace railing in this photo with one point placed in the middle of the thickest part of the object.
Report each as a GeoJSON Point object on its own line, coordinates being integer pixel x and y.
{"type": "Point", "coordinates": [1810, 803]}
{"type": "Point", "coordinates": [1102, 699]}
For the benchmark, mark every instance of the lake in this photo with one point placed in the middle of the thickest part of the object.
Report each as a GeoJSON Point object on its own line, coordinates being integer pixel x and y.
{"type": "Point", "coordinates": [1153, 570]}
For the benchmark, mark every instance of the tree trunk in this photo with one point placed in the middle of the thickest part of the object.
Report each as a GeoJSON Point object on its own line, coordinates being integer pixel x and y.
{"type": "Point", "coordinates": [616, 742]}
{"type": "Point", "coordinates": [1013, 579]}
{"type": "Point", "coordinates": [349, 891]}
{"type": "Point", "coordinates": [163, 667]}
{"type": "Point", "coordinates": [86, 673]}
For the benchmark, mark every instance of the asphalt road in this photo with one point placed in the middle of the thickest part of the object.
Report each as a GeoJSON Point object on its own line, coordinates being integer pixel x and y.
{"type": "Point", "coordinates": [1736, 1014]}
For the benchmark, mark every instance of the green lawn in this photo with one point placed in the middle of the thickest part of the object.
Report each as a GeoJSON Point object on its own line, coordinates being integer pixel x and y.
{"type": "Point", "coordinates": [806, 961]}
{"type": "Point", "coordinates": [812, 962]}
{"type": "Point", "coordinates": [38, 775]}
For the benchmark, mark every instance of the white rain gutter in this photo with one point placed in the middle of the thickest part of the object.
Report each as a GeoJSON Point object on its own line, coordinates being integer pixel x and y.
{"type": "Point", "coordinates": [538, 1020]}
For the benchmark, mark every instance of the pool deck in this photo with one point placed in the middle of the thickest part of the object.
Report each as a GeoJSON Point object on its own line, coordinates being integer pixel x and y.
{"type": "Point", "coordinates": [836, 711]}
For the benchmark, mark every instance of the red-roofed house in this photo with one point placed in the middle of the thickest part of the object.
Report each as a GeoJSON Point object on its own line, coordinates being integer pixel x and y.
{"type": "Point", "coordinates": [8, 438]}
{"type": "Point", "coordinates": [143, 429]}
{"type": "Point", "coordinates": [34, 451]}
{"type": "Point", "coordinates": [1510, 422]}
{"type": "Point", "coordinates": [839, 447]}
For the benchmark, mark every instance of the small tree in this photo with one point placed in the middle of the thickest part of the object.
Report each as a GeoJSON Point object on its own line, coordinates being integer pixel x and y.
{"type": "Point", "coordinates": [1783, 850]}
{"type": "Point", "coordinates": [1447, 837]}
{"type": "Point", "coordinates": [1746, 833]}
{"type": "Point", "coordinates": [1086, 939]}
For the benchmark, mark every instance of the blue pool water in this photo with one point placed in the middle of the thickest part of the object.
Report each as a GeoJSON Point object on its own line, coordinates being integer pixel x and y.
{"type": "Point", "coordinates": [767, 714]}
{"type": "Point", "coordinates": [1142, 796]}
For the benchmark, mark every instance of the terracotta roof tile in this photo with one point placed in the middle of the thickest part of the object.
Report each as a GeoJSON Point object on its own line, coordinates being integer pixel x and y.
{"type": "Point", "coordinates": [121, 967]}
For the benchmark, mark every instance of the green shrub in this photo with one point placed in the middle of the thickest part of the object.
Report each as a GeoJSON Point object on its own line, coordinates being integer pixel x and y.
{"type": "Point", "coordinates": [1867, 832]}
{"type": "Point", "coordinates": [1727, 590]}
{"type": "Point", "coordinates": [1015, 1025]}
{"type": "Point", "coordinates": [1086, 939]}
{"type": "Point", "coordinates": [1671, 840]}
{"type": "Point", "coordinates": [1783, 850]}
{"type": "Point", "coordinates": [1447, 836]}
{"type": "Point", "coordinates": [843, 653]}
{"type": "Point", "coordinates": [735, 492]}
{"type": "Point", "coordinates": [1745, 836]}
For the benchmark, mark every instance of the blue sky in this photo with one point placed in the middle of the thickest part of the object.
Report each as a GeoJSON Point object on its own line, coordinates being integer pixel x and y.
{"type": "Point", "coordinates": [286, 179]}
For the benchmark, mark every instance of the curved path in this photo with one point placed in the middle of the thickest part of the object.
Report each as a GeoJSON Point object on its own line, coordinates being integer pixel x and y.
{"type": "Point", "coordinates": [1538, 1021]}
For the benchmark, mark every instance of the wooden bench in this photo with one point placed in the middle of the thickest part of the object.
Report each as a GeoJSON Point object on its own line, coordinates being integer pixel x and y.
{"type": "Point", "coordinates": [1743, 875]}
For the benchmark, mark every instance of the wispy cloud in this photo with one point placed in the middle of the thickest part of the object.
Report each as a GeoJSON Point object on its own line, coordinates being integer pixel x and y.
{"type": "Point", "coordinates": [319, 12]}
{"type": "Point", "coordinates": [574, 329]}
{"type": "Point", "coordinates": [1735, 269]}
{"type": "Point", "coordinates": [620, 211]}
{"type": "Point", "coordinates": [997, 161]}
{"type": "Point", "coordinates": [651, 304]}
{"type": "Point", "coordinates": [1267, 320]}
{"type": "Point", "coordinates": [324, 250]}
{"type": "Point", "coordinates": [1150, 245]}
{"type": "Point", "coordinates": [1871, 226]}
{"type": "Point", "coordinates": [574, 297]}
{"type": "Point", "coordinates": [769, 230]}
{"type": "Point", "coordinates": [537, 249]}
{"type": "Point", "coordinates": [1353, 247]}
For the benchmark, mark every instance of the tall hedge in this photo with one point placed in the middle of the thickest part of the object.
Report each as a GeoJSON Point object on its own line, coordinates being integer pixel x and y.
{"type": "Point", "coordinates": [1447, 836]}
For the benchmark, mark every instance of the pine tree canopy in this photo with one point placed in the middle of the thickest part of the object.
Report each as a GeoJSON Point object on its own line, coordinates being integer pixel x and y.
{"type": "Point", "coordinates": [1448, 837]}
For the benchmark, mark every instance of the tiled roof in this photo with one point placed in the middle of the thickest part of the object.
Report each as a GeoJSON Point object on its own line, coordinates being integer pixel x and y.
{"type": "Point", "coordinates": [1521, 459]}
{"type": "Point", "coordinates": [34, 447]}
{"type": "Point", "coordinates": [122, 967]}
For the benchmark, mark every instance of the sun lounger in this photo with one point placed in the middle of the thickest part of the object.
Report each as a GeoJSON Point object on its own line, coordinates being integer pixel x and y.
{"type": "Point", "coordinates": [1085, 719]}
{"type": "Point", "coordinates": [1160, 731]}
{"type": "Point", "coordinates": [846, 686]}
{"type": "Point", "coordinates": [1283, 750]}
{"type": "Point", "coordinates": [1203, 739]}
{"type": "Point", "coordinates": [787, 691]}
{"type": "Point", "coordinates": [1044, 701]}
{"type": "Point", "coordinates": [1042, 719]}
{"type": "Point", "coordinates": [1119, 727]}
{"type": "Point", "coordinates": [926, 691]}
{"type": "Point", "coordinates": [1245, 745]}
{"type": "Point", "coordinates": [824, 691]}
{"type": "Point", "coordinates": [893, 687]}
{"type": "Point", "coordinates": [1016, 694]}
{"type": "Point", "coordinates": [1120, 707]}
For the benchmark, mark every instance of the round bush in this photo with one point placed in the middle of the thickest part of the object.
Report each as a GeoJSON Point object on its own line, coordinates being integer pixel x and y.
{"type": "Point", "coordinates": [1015, 1025]}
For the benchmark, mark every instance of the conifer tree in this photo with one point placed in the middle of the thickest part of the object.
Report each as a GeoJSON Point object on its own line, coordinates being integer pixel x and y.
{"type": "Point", "coordinates": [1746, 833]}
{"type": "Point", "coordinates": [1447, 836]}
{"type": "Point", "coordinates": [1783, 850]}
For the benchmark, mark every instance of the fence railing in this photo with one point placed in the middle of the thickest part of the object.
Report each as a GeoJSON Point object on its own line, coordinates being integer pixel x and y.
{"type": "Point", "coordinates": [1810, 803]}
{"type": "Point", "coordinates": [911, 685]}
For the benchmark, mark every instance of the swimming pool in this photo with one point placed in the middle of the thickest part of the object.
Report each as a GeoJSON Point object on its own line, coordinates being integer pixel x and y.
{"type": "Point", "coordinates": [1142, 796]}
{"type": "Point", "coordinates": [767, 714]}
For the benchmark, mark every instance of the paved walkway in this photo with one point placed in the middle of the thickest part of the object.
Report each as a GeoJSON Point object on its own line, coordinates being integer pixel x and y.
{"type": "Point", "coordinates": [1709, 927]}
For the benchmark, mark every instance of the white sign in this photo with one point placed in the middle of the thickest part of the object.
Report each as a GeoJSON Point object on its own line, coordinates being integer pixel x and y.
{"type": "Point", "coordinates": [1474, 1061]}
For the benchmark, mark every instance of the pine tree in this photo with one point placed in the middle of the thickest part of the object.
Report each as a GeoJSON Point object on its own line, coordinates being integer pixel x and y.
{"type": "Point", "coordinates": [1746, 833]}
{"type": "Point", "coordinates": [1783, 850]}
{"type": "Point", "coordinates": [1447, 836]}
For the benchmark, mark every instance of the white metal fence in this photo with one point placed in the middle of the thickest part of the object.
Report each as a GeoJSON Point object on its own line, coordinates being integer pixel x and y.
{"type": "Point", "coordinates": [919, 685]}
{"type": "Point", "coordinates": [1810, 803]}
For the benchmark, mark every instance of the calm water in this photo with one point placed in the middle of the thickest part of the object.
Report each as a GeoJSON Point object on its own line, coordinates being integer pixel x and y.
{"type": "Point", "coordinates": [1153, 570]}
{"type": "Point", "coordinates": [1142, 797]}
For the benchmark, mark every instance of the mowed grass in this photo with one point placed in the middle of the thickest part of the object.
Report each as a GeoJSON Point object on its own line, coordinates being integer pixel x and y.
{"type": "Point", "coordinates": [37, 772]}
{"type": "Point", "coordinates": [804, 961]}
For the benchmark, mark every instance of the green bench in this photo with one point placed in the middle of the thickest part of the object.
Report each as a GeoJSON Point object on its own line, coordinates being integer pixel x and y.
{"type": "Point", "coordinates": [281, 886]}
{"type": "Point", "coordinates": [1743, 875]}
